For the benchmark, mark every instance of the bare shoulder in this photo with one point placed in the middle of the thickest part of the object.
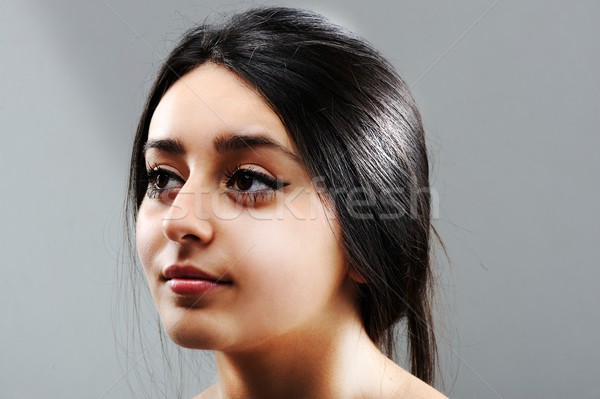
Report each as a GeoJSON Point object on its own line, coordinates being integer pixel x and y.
{"type": "Point", "coordinates": [402, 384]}
{"type": "Point", "coordinates": [210, 393]}
{"type": "Point", "coordinates": [417, 389]}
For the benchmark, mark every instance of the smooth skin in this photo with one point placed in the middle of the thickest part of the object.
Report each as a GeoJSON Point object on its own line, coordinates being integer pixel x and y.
{"type": "Point", "coordinates": [285, 323]}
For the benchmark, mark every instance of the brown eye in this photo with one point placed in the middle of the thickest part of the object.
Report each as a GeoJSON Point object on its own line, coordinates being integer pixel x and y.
{"type": "Point", "coordinates": [252, 181]}
{"type": "Point", "coordinates": [162, 179]}
{"type": "Point", "coordinates": [249, 186]}
{"type": "Point", "coordinates": [244, 181]}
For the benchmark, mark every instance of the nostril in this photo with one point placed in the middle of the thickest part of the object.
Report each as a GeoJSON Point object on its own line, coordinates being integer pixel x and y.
{"type": "Point", "coordinates": [190, 237]}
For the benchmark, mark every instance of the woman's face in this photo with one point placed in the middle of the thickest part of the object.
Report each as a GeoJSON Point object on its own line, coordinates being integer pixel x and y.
{"type": "Point", "coordinates": [238, 250]}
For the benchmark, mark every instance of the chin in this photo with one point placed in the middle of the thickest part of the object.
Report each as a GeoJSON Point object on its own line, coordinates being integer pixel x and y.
{"type": "Point", "coordinates": [189, 331]}
{"type": "Point", "coordinates": [192, 338]}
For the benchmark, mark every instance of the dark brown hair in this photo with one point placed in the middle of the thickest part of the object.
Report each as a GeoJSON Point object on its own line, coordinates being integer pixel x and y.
{"type": "Point", "coordinates": [357, 129]}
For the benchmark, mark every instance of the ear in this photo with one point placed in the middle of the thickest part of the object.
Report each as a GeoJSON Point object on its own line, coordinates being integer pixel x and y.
{"type": "Point", "coordinates": [356, 277]}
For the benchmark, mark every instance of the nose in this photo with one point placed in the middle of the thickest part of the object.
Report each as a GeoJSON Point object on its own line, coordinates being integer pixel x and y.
{"type": "Point", "coordinates": [189, 219]}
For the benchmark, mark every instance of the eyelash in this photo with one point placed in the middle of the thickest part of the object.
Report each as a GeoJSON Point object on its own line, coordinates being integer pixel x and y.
{"type": "Point", "coordinates": [240, 196]}
{"type": "Point", "coordinates": [153, 191]}
{"type": "Point", "coordinates": [246, 197]}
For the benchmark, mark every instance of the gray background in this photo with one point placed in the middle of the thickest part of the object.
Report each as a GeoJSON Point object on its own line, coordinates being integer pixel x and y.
{"type": "Point", "coordinates": [510, 97]}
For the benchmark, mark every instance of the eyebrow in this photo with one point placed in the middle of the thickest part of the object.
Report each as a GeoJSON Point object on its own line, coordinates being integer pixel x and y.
{"type": "Point", "coordinates": [235, 142]}
{"type": "Point", "coordinates": [222, 144]}
{"type": "Point", "coordinates": [170, 146]}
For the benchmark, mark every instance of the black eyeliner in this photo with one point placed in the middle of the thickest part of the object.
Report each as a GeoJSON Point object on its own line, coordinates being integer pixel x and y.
{"type": "Point", "coordinates": [272, 182]}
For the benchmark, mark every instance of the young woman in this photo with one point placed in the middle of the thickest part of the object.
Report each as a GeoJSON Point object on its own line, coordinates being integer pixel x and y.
{"type": "Point", "coordinates": [279, 184]}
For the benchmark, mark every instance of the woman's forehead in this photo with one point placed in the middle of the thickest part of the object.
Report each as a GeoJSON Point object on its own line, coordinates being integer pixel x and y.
{"type": "Point", "coordinates": [212, 100]}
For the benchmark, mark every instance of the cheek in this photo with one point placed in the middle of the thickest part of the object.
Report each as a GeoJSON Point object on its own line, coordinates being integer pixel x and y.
{"type": "Point", "coordinates": [293, 272]}
{"type": "Point", "coordinates": [147, 237]}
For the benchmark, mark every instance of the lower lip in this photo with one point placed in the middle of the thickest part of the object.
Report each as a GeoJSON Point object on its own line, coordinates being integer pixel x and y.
{"type": "Point", "coordinates": [182, 286]}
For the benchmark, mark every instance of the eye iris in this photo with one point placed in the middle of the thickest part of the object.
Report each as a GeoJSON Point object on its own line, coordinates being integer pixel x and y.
{"type": "Point", "coordinates": [162, 180]}
{"type": "Point", "coordinates": [244, 181]}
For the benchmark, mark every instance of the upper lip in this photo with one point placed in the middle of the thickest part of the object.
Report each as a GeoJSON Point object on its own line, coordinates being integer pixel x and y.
{"type": "Point", "coordinates": [190, 272]}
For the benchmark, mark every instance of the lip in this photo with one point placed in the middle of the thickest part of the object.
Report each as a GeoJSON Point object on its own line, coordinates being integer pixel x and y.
{"type": "Point", "coordinates": [189, 280]}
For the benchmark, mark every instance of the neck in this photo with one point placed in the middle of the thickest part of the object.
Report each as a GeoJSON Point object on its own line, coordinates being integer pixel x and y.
{"type": "Point", "coordinates": [340, 364]}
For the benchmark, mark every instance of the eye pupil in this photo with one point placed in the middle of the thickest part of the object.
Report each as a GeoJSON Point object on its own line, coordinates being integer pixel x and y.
{"type": "Point", "coordinates": [162, 180]}
{"type": "Point", "coordinates": [244, 181]}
